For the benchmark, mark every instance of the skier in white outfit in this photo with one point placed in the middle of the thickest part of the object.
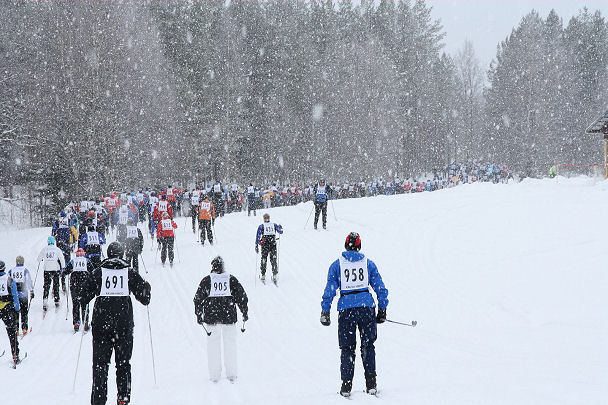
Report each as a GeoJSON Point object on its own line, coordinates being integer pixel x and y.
{"type": "Point", "coordinates": [215, 304]}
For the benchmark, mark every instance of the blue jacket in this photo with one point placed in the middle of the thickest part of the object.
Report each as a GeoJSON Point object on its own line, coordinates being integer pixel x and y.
{"type": "Point", "coordinates": [362, 299]}
{"type": "Point", "coordinates": [258, 237]}
{"type": "Point", "coordinates": [14, 292]}
{"type": "Point", "coordinates": [84, 239]}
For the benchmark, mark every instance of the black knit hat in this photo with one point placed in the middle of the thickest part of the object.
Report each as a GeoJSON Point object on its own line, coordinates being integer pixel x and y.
{"type": "Point", "coordinates": [217, 265]}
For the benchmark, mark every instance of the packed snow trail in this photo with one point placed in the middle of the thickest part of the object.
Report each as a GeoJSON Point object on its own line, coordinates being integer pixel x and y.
{"type": "Point", "coordinates": [507, 283]}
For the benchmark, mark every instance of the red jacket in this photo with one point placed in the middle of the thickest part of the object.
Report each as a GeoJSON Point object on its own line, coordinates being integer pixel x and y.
{"type": "Point", "coordinates": [162, 206]}
{"type": "Point", "coordinates": [171, 193]}
{"type": "Point", "coordinates": [165, 227]}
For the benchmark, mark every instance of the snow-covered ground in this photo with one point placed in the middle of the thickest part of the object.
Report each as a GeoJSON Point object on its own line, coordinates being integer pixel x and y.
{"type": "Point", "coordinates": [507, 283]}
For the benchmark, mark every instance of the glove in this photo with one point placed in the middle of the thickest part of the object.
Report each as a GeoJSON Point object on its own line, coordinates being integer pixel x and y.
{"type": "Point", "coordinates": [381, 317]}
{"type": "Point", "coordinates": [199, 319]}
{"type": "Point", "coordinates": [257, 249]}
{"type": "Point", "coordinates": [245, 317]}
{"type": "Point", "coordinates": [325, 321]}
{"type": "Point", "coordinates": [32, 295]}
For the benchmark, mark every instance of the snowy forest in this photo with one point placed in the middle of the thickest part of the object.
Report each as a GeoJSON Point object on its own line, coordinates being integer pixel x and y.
{"type": "Point", "coordinates": [97, 96]}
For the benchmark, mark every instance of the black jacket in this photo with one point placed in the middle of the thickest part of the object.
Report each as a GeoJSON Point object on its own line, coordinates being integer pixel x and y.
{"type": "Point", "coordinates": [221, 310]}
{"type": "Point", "coordinates": [115, 314]}
{"type": "Point", "coordinates": [132, 245]}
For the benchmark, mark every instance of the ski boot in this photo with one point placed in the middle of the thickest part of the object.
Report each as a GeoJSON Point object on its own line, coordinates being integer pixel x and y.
{"type": "Point", "coordinates": [24, 332]}
{"type": "Point", "coordinates": [263, 278]}
{"type": "Point", "coordinates": [45, 305]}
{"type": "Point", "coordinates": [275, 278]}
{"type": "Point", "coordinates": [57, 306]}
{"type": "Point", "coordinates": [370, 384]}
{"type": "Point", "coordinates": [347, 386]}
{"type": "Point", "coordinates": [86, 327]}
{"type": "Point", "coordinates": [76, 327]}
{"type": "Point", "coordinates": [122, 401]}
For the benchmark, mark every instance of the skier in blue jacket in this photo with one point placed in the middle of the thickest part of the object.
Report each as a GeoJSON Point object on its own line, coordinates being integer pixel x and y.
{"type": "Point", "coordinates": [353, 274]}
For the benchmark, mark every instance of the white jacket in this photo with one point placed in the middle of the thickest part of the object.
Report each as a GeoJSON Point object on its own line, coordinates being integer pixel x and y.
{"type": "Point", "coordinates": [52, 257]}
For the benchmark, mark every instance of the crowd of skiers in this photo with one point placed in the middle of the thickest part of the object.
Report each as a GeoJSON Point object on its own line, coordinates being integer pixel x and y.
{"type": "Point", "coordinates": [84, 228]}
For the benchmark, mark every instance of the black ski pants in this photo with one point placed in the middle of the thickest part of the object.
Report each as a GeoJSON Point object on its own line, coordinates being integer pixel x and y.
{"type": "Point", "coordinates": [269, 249]}
{"type": "Point", "coordinates": [9, 317]}
{"type": "Point", "coordinates": [24, 309]}
{"type": "Point", "coordinates": [104, 343]}
{"type": "Point", "coordinates": [363, 318]}
{"type": "Point", "coordinates": [321, 207]}
{"type": "Point", "coordinates": [193, 214]}
{"type": "Point", "coordinates": [51, 277]}
{"type": "Point", "coordinates": [166, 245]}
{"type": "Point", "coordinates": [205, 226]}
{"type": "Point", "coordinates": [78, 284]}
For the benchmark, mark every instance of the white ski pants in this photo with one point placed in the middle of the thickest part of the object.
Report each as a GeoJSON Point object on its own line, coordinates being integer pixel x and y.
{"type": "Point", "coordinates": [227, 334]}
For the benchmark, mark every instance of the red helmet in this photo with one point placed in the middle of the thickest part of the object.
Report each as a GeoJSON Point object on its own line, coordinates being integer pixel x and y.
{"type": "Point", "coordinates": [91, 213]}
{"type": "Point", "coordinates": [80, 253]}
{"type": "Point", "coordinates": [353, 242]}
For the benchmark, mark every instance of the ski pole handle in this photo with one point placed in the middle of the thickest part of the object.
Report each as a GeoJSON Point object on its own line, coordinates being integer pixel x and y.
{"type": "Point", "coordinates": [414, 323]}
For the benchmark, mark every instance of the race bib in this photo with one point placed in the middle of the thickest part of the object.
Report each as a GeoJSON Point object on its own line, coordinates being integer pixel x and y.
{"type": "Point", "coordinates": [132, 232]}
{"type": "Point", "coordinates": [4, 285]}
{"type": "Point", "coordinates": [194, 200]}
{"type": "Point", "coordinates": [114, 282]}
{"type": "Point", "coordinates": [320, 190]}
{"type": "Point", "coordinates": [64, 222]}
{"type": "Point", "coordinates": [169, 191]}
{"type": "Point", "coordinates": [162, 206]}
{"type": "Point", "coordinates": [205, 205]}
{"type": "Point", "coordinates": [123, 217]}
{"type": "Point", "coordinates": [269, 228]}
{"type": "Point", "coordinates": [217, 188]}
{"type": "Point", "coordinates": [220, 285]}
{"type": "Point", "coordinates": [50, 255]}
{"type": "Point", "coordinates": [92, 238]}
{"type": "Point", "coordinates": [353, 275]}
{"type": "Point", "coordinates": [250, 190]}
{"type": "Point", "coordinates": [18, 274]}
{"type": "Point", "coordinates": [80, 264]}
{"type": "Point", "coordinates": [166, 225]}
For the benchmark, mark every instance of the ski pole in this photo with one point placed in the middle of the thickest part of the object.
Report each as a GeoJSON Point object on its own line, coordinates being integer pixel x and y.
{"type": "Point", "coordinates": [177, 250]}
{"type": "Point", "coordinates": [414, 323]}
{"type": "Point", "coordinates": [243, 328]}
{"type": "Point", "coordinates": [334, 210]}
{"type": "Point", "coordinates": [142, 262]}
{"type": "Point", "coordinates": [255, 270]}
{"type": "Point", "coordinates": [208, 333]}
{"type": "Point", "coordinates": [86, 314]}
{"type": "Point", "coordinates": [214, 234]}
{"type": "Point", "coordinates": [151, 345]}
{"type": "Point", "coordinates": [35, 279]}
{"type": "Point", "coordinates": [311, 210]}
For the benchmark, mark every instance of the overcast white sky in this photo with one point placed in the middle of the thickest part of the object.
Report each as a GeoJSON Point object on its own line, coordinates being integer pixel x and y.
{"type": "Point", "coordinates": [487, 22]}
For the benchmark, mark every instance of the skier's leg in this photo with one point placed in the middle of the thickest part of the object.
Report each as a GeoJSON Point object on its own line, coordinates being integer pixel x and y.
{"type": "Point", "coordinates": [47, 285]}
{"type": "Point", "coordinates": [102, 352]}
{"type": "Point", "coordinates": [23, 312]}
{"type": "Point", "coordinates": [214, 355]}
{"type": "Point", "coordinates": [317, 211]}
{"type": "Point", "coordinates": [209, 231]}
{"type": "Point", "coordinates": [324, 214]}
{"type": "Point", "coordinates": [163, 250]}
{"type": "Point", "coordinates": [8, 316]}
{"type": "Point", "coordinates": [123, 350]}
{"type": "Point", "coordinates": [368, 331]}
{"type": "Point", "coordinates": [264, 260]}
{"type": "Point", "coordinates": [170, 243]}
{"type": "Point", "coordinates": [273, 259]}
{"type": "Point", "coordinates": [55, 275]}
{"type": "Point", "coordinates": [347, 340]}
{"type": "Point", "coordinates": [230, 359]}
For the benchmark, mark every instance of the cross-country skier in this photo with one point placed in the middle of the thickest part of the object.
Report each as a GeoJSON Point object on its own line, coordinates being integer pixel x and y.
{"type": "Point", "coordinates": [266, 237]}
{"type": "Point", "coordinates": [195, 199]}
{"type": "Point", "coordinates": [215, 304]}
{"type": "Point", "coordinates": [321, 192]}
{"type": "Point", "coordinates": [166, 238]}
{"type": "Point", "coordinates": [206, 218]}
{"type": "Point", "coordinates": [81, 269]}
{"type": "Point", "coordinates": [251, 200]}
{"type": "Point", "coordinates": [91, 242]}
{"type": "Point", "coordinates": [53, 263]}
{"type": "Point", "coordinates": [352, 274]}
{"type": "Point", "coordinates": [112, 322]}
{"type": "Point", "coordinates": [134, 244]}
{"type": "Point", "coordinates": [22, 276]}
{"type": "Point", "coordinates": [9, 309]}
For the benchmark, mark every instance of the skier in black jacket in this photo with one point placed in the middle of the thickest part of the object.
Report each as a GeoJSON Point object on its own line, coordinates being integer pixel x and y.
{"type": "Point", "coordinates": [215, 304]}
{"type": "Point", "coordinates": [113, 281]}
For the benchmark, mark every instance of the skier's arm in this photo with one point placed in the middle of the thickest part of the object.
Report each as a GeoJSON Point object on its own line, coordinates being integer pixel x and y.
{"type": "Point", "coordinates": [102, 239]}
{"type": "Point", "coordinates": [68, 268]}
{"type": "Point", "coordinates": [258, 235]}
{"type": "Point", "coordinates": [15, 294]}
{"type": "Point", "coordinates": [28, 281]}
{"type": "Point", "coordinates": [61, 259]}
{"type": "Point", "coordinates": [333, 283]}
{"type": "Point", "coordinates": [377, 284]}
{"type": "Point", "coordinates": [278, 228]}
{"type": "Point", "coordinates": [90, 266]}
{"type": "Point", "coordinates": [140, 288]}
{"type": "Point", "coordinates": [239, 295]}
{"type": "Point", "coordinates": [141, 240]}
{"type": "Point", "coordinates": [201, 295]}
{"type": "Point", "coordinates": [82, 242]}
